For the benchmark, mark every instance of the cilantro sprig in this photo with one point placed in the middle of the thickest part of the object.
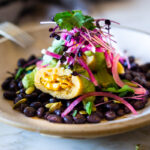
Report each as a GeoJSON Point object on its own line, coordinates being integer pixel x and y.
{"type": "Point", "coordinates": [70, 19]}
{"type": "Point", "coordinates": [122, 91]}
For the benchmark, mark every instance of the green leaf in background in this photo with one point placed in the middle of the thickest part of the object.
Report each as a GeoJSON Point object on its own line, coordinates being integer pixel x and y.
{"type": "Point", "coordinates": [88, 107]}
{"type": "Point", "coordinates": [70, 19]}
{"type": "Point", "coordinates": [19, 72]}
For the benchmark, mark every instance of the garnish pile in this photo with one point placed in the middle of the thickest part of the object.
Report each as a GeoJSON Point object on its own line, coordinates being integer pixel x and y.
{"type": "Point", "coordinates": [81, 78]}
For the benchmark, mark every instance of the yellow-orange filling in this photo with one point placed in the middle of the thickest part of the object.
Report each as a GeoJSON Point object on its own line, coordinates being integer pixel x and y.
{"type": "Point", "coordinates": [55, 82]}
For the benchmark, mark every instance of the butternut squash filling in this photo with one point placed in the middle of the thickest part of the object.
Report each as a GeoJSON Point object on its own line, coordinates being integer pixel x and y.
{"type": "Point", "coordinates": [55, 82]}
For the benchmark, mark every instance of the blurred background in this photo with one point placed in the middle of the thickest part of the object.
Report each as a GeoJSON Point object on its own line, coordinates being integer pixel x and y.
{"type": "Point", "coordinates": [133, 13]}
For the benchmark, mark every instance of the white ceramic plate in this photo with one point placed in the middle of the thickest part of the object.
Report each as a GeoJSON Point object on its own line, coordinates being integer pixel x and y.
{"type": "Point", "coordinates": [135, 42]}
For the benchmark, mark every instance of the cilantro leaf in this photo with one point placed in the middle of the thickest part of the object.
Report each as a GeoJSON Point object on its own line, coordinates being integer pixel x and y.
{"type": "Point", "coordinates": [19, 72]}
{"type": "Point", "coordinates": [70, 19]}
{"type": "Point", "coordinates": [88, 107]}
{"type": "Point", "coordinates": [122, 91]}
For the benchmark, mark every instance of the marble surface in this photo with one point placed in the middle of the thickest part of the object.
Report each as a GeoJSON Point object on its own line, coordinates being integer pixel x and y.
{"type": "Point", "coordinates": [132, 13]}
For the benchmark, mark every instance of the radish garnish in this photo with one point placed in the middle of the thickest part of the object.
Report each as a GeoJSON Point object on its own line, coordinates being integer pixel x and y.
{"type": "Point", "coordinates": [117, 79]}
{"type": "Point", "coordinates": [84, 65]}
{"type": "Point", "coordinates": [81, 98]}
{"type": "Point", "coordinates": [54, 55]}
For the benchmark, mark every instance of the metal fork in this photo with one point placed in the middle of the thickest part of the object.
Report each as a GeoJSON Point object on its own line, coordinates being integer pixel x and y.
{"type": "Point", "coordinates": [15, 34]}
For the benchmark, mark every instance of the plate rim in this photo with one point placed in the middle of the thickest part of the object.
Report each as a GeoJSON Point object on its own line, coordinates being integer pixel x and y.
{"type": "Point", "coordinates": [82, 130]}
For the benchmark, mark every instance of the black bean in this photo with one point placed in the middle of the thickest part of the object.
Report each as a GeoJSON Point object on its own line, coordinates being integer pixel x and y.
{"type": "Point", "coordinates": [86, 43]}
{"type": "Point", "coordinates": [79, 54]}
{"type": "Point", "coordinates": [13, 86]}
{"type": "Point", "coordinates": [68, 37]}
{"type": "Point", "coordinates": [29, 111]}
{"type": "Point", "coordinates": [5, 84]}
{"type": "Point", "coordinates": [35, 105]}
{"type": "Point", "coordinates": [51, 29]}
{"type": "Point", "coordinates": [58, 112]}
{"type": "Point", "coordinates": [32, 57]}
{"type": "Point", "coordinates": [32, 96]}
{"type": "Point", "coordinates": [137, 79]}
{"type": "Point", "coordinates": [72, 55]}
{"type": "Point", "coordinates": [127, 110]}
{"type": "Point", "coordinates": [21, 62]}
{"type": "Point", "coordinates": [148, 75]}
{"type": "Point", "coordinates": [9, 95]}
{"type": "Point", "coordinates": [144, 68]}
{"type": "Point", "coordinates": [74, 73]}
{"type": "Point", "coordinates": [110, 115]}
{"type": "Point", "coordinates": [79, 119]}
{"type": "Point", "coordinates": [139, 105]}
{"type": "Point", "coordinates": [54, 118]}
{"type": "Point", "coordinates": [122, 76]}
{"type": "Point", "coordinates": [22, 90]}
{"type": "Point", "coordinates": [65, 48]}
{"type": "Point", "coordinates": [131, 59]}
{"type": "Point", "coordinates": [120, 112]}
{"type": "Point", "coordinates": [37, 91]}
{"type": "Point", "coordinates": [128, 76]}
{"type": "Point", "coordinates": [52, 100]}
{"type": "Point", "coordinates": [23, 106]}
{"type": "Point", "coordinates": [107, 22]}
{"type": "Point", "coordinates": [112, 106]}
{"type": "Point", "coordinates": [134, 66]}
{"type": "Point", "coordinates": [52, 35]}
{"type": "Point", "coordinates": [21, 95]}
{"type": "Point", "coordinates": [44, 97]}
{"type": "Point", "coordinates": [93, 118]}
{"type": "Point", "coordinates": [62, 59]}
{"type": "Point", "coordinates": [40, 112]}
{"type": "Point", "coordinates": [70, 66]}
{"type": "Point", "coordinates": [57, 37]}
{"type": "Point", "coordinates": [17, 99]}
{"type": "Point", "coordinates": [100, 114]}
{"type": "Point", "coordinates": [145, 100]}
{"type": "Point", "coordinates": [46, 114]}
{"type": "Point", "coordinates": [147, 85]}
{"type": "Point", "coordinates": [68, 119]}
{"type": "Point", "coordinates": [20, 85]}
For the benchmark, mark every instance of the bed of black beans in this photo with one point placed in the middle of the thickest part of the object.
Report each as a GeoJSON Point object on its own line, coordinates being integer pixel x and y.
{"type": "Point", "coordinates": [36, 101]}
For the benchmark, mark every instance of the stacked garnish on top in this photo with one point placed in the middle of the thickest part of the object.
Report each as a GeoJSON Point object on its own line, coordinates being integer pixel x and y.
{"type": "Point", "coordinates": [84, 42]}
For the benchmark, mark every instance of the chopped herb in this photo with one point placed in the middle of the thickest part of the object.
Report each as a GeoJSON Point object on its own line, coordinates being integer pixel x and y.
{"type": "Point", "coordinates": [19, 72]}
{"type": "Point", "coordinates": [74, 113]}
{"type": "Point", "coordinates": [88, 107]}
{"type": "Point", "coordinates": [70, 19]}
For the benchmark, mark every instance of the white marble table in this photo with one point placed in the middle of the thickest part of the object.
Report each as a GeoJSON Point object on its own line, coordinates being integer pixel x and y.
{"type": "Point", "coordinates": [133, 13]}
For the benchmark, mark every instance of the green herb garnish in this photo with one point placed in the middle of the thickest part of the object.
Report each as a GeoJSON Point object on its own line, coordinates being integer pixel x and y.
{"type": "Point", "coordinates": [125, 88]}
{"type": "Point", "coordinates": [74, 113]}
{"type": "Point", "coordinates": [70, 19]}
{"type": "Point", "coordinates": [19, 72]}
{"type": "Point", "coordinates": [88, 107]}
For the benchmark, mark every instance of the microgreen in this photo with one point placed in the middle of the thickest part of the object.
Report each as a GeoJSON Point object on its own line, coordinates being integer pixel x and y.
{"type": "Point", "coordinates": [70, 19]}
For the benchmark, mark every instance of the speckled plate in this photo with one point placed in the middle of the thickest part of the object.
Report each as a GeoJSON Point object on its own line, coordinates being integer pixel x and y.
{"type": "Point", "coordinates": [135, 42]}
